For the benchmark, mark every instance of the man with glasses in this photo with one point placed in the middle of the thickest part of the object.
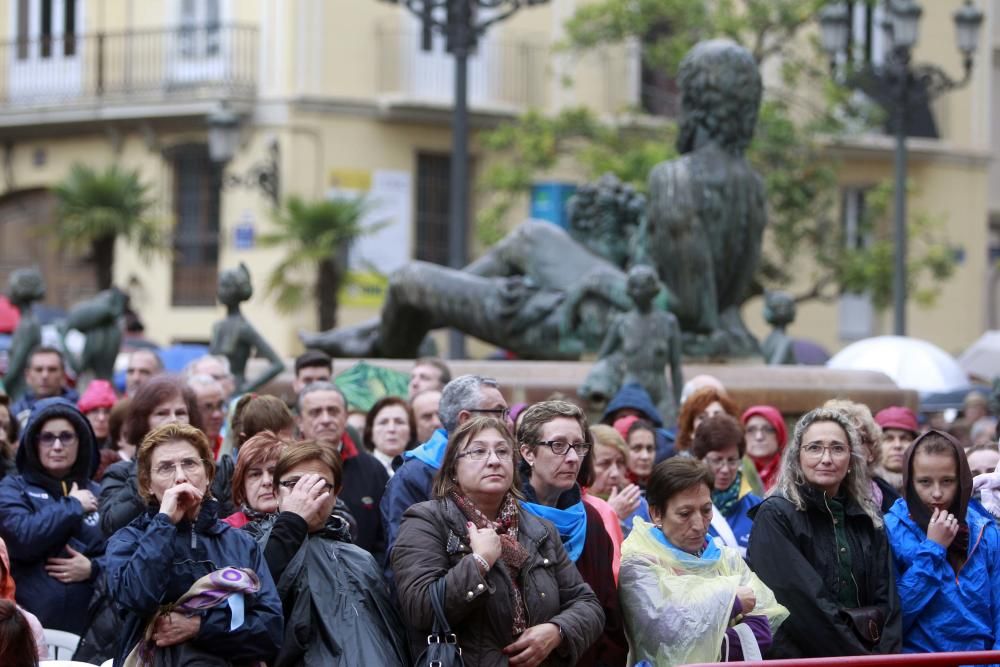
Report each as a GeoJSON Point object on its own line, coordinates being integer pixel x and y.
{"type": "Point", "coordinates": [462, 398]}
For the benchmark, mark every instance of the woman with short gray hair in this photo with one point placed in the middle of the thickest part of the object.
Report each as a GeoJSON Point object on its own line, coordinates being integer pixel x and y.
{"type": "Point", "coordinates": [819, 543]}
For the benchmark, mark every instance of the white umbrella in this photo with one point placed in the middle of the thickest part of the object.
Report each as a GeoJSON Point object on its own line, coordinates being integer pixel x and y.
{"type": "Point", "coordinates": [983, 357]}
{"type": "Point", "coordinates": [910, 362]}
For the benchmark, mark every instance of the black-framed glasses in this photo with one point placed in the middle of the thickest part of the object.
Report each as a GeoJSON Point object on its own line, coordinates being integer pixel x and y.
{"type": "Point", "coordinates": [65, 437]}
{"type": "Point", "coordinates": [501, 413]}
{"type": "Point", "coordinates": [560, 448]}
{"type": "Point", "coordinates": [290, 484]}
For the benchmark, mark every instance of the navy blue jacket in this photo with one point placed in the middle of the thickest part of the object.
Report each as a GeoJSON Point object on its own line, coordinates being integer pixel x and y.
{"type": "Point", "coordinates": [38, 520]}
{"type": "Point", "coordinates": [28, 401]}
{"type": "Point", "coordinates": [152, 562]}
{"type": "Point", "coordinates": [634, 397]}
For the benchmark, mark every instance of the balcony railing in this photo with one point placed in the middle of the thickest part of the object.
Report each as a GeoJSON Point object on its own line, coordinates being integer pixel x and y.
{"type": "Point", "coordinates": [504, 75]}
{"type": "Point", "coordinates": [180, 64]}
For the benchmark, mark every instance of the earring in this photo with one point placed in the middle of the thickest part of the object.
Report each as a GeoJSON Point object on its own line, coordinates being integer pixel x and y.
{"type": "Point", "coordinates": [849, 471]}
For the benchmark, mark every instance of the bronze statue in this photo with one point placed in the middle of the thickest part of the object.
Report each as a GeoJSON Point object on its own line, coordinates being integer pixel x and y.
{"type": "Point", "coordinates": [779, 312]}
{"type": "Point", "coordinates": [707, 210]}
{"type": "Point", "coordinates": [99, 319]}
{"type": "Point", "coordinates": [24, 288]}
{"type": "Point", "coordinates": [639, 346]}
{"type": "Point", "coordinates": [237, 339]}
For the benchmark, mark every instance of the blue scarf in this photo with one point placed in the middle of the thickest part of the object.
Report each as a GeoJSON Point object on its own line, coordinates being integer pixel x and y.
{"type": "Point", "coordinates": [432, 451]}
{"type": "Point", "coordinates": [570, 522]}
{"type": "Point", "coordinates": [710, 554]}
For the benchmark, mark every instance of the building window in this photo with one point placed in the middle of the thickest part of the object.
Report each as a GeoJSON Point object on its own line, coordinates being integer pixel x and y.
{"type": "Point", "coordinates": [867, 41]}
{"type": "Point", "coordinates": [197, 186]}
{"type": "Point", "coordinates": [659, 94]}
{"type": "Point", "coordinates": [52, 23]}
{"type": "Point", "coordinates": [433, 197]}
{"type": "Point", "coordinates": [856, 314]}
{"type": "Point", "coordinates": [200, 26]}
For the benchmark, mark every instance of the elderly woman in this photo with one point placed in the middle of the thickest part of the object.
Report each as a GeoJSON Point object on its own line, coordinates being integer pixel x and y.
{"type": "Point", "coordinates": [161, 400]}
{"type": "Point", "coordinates": [48, 516]}
{"type": "Point", "coordinates": [497, 561]}
{"type": "Point", "coordinates": [610, 480]}
{"type": "Point", "coordinates": [336, 602]}
{"type": "Point", "coordinates": [818, 541]}
{"type": "Point", "coordinates": [766, 435]}
{"type": "Point", "coordinates": [945, 550]}
{"type": "Point", "coordinates": [685, 599]}
{"type": "Point", "coordinates": [390, 429]}
{"type": "Point", "coordinates": [253, 480]}
{"type": "Point", "coordinates": [189, 586]}
{"type": "Point", "coordinates": [555, 446]}
{"type": "Point", "coordinates": [719, 444]}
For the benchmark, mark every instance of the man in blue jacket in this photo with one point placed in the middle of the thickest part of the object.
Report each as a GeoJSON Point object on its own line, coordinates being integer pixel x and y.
{"type": "Point", "coordinates": [464, 397]}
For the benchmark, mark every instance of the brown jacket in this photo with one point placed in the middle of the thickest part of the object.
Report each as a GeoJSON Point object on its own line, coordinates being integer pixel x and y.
{"type": "Point", "coordinates": [433, 542]}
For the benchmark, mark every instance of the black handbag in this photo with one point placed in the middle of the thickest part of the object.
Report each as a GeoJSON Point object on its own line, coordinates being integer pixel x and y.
{"type": "Point", "coordinates": [442, 644]}
{"type": "Point", "coordinates": [867, 623]}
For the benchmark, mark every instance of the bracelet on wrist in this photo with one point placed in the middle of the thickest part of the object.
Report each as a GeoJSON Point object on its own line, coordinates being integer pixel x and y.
{"type": "Point", "coordinates": [482, 562]}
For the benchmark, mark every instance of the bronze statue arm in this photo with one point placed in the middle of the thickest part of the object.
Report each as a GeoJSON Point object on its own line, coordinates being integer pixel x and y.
{"type": "Point", "coordinates": [264, 350]}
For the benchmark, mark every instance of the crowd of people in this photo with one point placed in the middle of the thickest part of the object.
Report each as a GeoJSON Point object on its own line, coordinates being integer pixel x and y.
{"type": "Point", "coordinates": [179, 524]}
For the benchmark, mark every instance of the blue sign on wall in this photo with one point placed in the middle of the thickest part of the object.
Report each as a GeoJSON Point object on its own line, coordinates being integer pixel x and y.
{"type": "Point", "coordinates": [548, 201]}
{"type": "Point", "coordinates": [243, 236]}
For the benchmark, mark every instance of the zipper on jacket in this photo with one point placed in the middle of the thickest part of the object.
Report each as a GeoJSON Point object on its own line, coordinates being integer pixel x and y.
{"type": "Point", "coordinates": [833, 521]}
{"type": "Point", "coordinates": [971, 551]}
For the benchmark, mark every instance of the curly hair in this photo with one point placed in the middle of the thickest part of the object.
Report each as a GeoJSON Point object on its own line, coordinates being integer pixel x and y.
{"type": "Point", "coordinates": [861, 416]}
{"type": "Point", "coordinates": [721, 92]}
{"type": "Point", "coordinates": [857, 483]}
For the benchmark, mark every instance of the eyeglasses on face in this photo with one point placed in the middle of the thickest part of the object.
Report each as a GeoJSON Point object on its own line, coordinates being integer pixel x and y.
{"type": "Point", "coordinates": [501, 413]}
{"type": "Point", "coordinates": [47, 439]}
{"type": "Point", "coordinates": [716, 463]}
{"type": "Point", "coordinates": [560, 448]}
{"type": "Point", "coordinates": [187, 466]}
{"type": "Point", "coordinates": [761, 430]}
{"type": "Point", "coordinates": [477, 453]}
{"type": "Point", "coordinates": [815, 451]}
{"type": "Point", "coordinates": [290, 484]}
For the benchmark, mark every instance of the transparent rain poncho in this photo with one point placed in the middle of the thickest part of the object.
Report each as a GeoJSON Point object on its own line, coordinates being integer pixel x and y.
{"type": "Point", "coordinates": [677, 606]}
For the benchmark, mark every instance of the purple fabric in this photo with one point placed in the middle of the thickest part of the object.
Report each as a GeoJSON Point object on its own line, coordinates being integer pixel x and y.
{"type": "Point", "coordinates": [761, 631]}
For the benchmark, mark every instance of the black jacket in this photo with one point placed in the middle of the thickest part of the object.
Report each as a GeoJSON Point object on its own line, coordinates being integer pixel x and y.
{"type": "Point", "coordinates": [364, 483]}
{"type": "Point", "coordinates": [795, 553]}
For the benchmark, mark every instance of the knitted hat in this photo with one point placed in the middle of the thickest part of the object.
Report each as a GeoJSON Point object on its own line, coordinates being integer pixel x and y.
{"type": "Point", "coordinates": [99, 394]}
{"type": "Point", "coordinates": [898, 417]}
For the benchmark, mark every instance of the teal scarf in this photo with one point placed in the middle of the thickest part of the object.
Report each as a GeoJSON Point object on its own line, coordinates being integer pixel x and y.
{"type": "Point", "coordinates": [728, 501]}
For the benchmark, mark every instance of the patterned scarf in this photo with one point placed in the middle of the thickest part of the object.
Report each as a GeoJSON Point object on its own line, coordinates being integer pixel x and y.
{"type": "Point", "coordinates": [727, 501]}
{"type": "Point", "coordinates": [512, 553]}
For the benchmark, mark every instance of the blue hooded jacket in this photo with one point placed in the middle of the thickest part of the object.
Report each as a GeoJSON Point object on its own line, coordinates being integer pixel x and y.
{"type": "Point", "coordinates": [38, 520]}
{"type": "Point", "coordinates": [942, 611]}
{"type": "Point", "coordinates": [633, 396]}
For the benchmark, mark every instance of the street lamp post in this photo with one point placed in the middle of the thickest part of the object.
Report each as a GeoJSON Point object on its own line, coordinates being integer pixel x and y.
{"type": "Point", "coordinates": [899, 76]}
{"type": "Point", "coordinates": [462, 23]}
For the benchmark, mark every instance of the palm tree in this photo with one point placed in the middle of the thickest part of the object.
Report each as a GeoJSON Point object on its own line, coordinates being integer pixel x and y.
{"type": "Point", "coordinates": [317, 235]}
{"type": "Point", "coordinates": [95, 208]}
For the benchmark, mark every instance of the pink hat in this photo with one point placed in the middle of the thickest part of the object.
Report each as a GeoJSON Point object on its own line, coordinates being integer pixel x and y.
{"type": "Point", "coordinates": [898, 417]}
{"type": "Point", "coordinates": [773, 417]}
{"type": "Point", "coordinates": [623, 424]}
{"type": "Point", "coordinates": [99, 394]}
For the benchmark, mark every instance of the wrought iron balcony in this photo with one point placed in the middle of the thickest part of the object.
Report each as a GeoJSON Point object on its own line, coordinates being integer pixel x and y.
{"type": "Point", "coordinates": [134, 67]}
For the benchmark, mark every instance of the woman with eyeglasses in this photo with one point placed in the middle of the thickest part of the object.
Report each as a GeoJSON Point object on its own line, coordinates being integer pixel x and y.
{"type": "Point", "coordinates": [719, 444]}
{"type": "Point", "coordinates": [48, 516]}
{"type": "Point", "coordinates": [766, 435]}
{"type": "Point", "coordinates": [818, 541]}
{"type": "Point", "coordinates": [337, 605]}
{"type": "Point", "coordinates": [555, 447]}
{"type": "Point", "coordinates": [511, 593]}
{"type": "Point", "coordinates": [190, 588]}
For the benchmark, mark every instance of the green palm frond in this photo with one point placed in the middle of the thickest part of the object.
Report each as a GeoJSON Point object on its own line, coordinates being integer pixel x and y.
{"type": "Point", "coordinates": [92, 205]}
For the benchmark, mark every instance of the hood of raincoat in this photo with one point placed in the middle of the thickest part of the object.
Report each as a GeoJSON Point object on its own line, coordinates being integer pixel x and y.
{"type": "Point", "coordinates": [87, 455]}
{"type": "Point", "coordinates": [676, 605]}
{"type": "Point", "coordinates": [632, 395]}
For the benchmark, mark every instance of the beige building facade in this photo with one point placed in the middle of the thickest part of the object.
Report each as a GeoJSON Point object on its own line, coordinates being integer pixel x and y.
{"type": "Point", "coordinates": [352, 103]}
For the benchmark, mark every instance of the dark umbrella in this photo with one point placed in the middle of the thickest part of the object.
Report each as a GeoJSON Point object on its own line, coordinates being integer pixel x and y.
{"type": "Point", "coordinates": [809, 353]}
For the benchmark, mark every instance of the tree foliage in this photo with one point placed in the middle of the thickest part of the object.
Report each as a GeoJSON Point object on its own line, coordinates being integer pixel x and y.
{"type": "Point", "coordinates": [96, 208]}
{"type": "Point", "coordinates": [316, 236]}
{"type": "Point", "coordinates": [804, 245]}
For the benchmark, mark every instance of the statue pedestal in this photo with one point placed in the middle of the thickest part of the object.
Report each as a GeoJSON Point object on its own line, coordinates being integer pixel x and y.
{"type": "Point", "coordinates": [793, 389]}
